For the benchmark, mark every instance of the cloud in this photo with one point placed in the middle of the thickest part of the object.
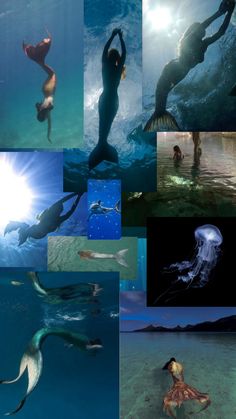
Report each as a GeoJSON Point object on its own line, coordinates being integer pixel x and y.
{"type": "Point", "coordinates": [124, 310]}
{"type": "Point", "coordinates": [137, 297]}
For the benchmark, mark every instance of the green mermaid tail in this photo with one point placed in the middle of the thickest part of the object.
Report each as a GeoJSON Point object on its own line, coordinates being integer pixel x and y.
{"type": "Point", "coordinates": [32, 360]}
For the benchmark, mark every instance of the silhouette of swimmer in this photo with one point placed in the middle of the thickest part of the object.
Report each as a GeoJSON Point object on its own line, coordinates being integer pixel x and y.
{"type": "Point", "coordinates": [113, 70]}
{"type": "Point", "coordinates": [49, 220]}
{"type": "Point", "coordinates": [32, 359]}
{"type": "Point", "coordinates": [192, 49]}
{"type": "Point", "coordinates": [38, 53]}
{"type": "Point", "coordinates": [180, 391]}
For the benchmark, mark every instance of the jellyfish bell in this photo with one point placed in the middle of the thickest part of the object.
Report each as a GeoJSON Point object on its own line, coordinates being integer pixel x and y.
{"type": "Point", "coordinates": [209, 233]}
{"type": "Point", "coordinates": [209, 238]}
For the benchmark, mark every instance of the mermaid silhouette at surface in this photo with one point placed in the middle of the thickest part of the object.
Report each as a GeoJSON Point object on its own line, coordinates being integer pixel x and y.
{"type": "Point", "coordinates": [180, 391]}
{"type": "Point", "coordinates": [192, 48]}
{"type": "Point", "coordinates": [83, 292]}
{"type": "Point", "coordinates": [38, 54]}
{"type": "Point", "coordinates": [49, 220]}
{"type": "Point", "coordinates": [32, 360]}
{"type": "Point", "coordinates": [113, 70]}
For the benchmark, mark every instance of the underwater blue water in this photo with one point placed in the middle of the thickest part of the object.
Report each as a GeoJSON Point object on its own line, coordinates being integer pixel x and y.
{"type": "Point", "coordinates": [136, 155]}
{"type": "Point", "coordinates": [21, 79]}
{"type": "Point", "coordinates": [43, 172]}
{"type": "Point", "coordinates": [198, 100]}
{"type": "Point", "coordinates": [138, 284]}
{"type": "Point", "coordinates": [107, 225]}
{"type": "Point", "coordinates": [74, 384]}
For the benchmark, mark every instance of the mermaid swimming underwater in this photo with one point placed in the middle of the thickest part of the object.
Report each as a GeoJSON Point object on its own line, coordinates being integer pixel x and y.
{"type": "Point", "coordinates": [38, 54]}
{"type": "Point", "coordinates": [113, 71]}
{"type": "Point", "coordinates": [191, 51]}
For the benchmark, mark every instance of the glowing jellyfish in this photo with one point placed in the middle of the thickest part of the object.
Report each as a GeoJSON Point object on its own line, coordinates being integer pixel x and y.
{"type": "Point", "coordinates": [196, 272]}
{"type": "Point", "coordinates": [209, 239]}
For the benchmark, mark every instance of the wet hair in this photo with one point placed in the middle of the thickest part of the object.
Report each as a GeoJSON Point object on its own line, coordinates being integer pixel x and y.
{"type": "Point", "coordinates": [42, 113]}
{"type": "Point", "coordinates": [176, 149]}
{"type": "Point", "coordinates": [113, 56]}
{"type": "Point", "coordinates": [196, 29]}
{"type": "Point", "coordinates": [168, 363]}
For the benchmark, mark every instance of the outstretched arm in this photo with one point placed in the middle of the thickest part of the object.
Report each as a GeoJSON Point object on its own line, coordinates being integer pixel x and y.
{"type": "Point", "coordinates": [123, 48]}
{"type": "Point", "coordinates": [73, 208]}
{"type": "Point", "coordinates": [108, 44]}
{"type": "Point", "coordinates": [49, 127]}
{"type": "Point", "coordinates": [222, 30]}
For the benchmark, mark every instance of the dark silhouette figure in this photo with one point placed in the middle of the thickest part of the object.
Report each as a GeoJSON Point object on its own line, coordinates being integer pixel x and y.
{"type": "Point", "coordinates": [49, 220]}
{"type": "Point", "coordinates": [113, 70]}
{"type": "Point", "coordinates": [192, 49]}
{"type": "Point", "coordinates": [38, 54]}
{"type": "Point", "coordinates": [178, 155]}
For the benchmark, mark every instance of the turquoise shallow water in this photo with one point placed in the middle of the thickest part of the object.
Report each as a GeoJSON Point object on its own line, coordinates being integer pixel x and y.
{"type": "Point", "coordinates": [209, 365]}
{"type": "Point", "coordinates": [21, 79]}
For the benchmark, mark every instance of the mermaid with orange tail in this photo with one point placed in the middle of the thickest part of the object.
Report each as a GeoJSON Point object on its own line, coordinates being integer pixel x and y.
{"type": "Point", "coordinates": [180, 391]}
{"type": "Point", "coordinates": [38, 54]}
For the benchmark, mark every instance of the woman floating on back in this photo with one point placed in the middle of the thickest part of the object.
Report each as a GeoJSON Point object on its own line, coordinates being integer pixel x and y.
{"type": "Point", "coordinates": [192, 49]}
{"type": "Point", "coordinates": [113, 70]}
{"type": "Point", "coordinates": [38, 54]}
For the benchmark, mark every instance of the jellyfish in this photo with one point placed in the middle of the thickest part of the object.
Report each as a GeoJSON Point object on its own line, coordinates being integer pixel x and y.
{"type": "Point", "coordinates": [195, 273]}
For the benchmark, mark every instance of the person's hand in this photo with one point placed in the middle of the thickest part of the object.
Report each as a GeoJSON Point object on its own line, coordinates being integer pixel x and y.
{"type": "Point", "coordinates": [120, 33]}
{"type": "Point", "coordinates": [227, 6]}
{"type": "Point", "coordinates": [115, 31]}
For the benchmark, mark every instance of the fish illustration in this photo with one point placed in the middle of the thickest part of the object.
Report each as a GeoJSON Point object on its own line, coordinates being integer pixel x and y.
{"type": "Point", "coordinates": [96, 208]}
{"type": "Point", "coordinates": [119, 256]}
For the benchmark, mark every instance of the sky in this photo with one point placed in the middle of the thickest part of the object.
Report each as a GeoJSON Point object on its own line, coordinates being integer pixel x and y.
{"type": "Point", "coordinates": [134, 314]}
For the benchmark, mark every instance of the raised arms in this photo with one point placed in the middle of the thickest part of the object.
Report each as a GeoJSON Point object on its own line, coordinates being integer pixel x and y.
{"type": "Point", "coordinates": [229, 8]}
{"type": "Point", "coordinates": [108, 44]}
{"type": "Point", "coordinates": [123, 48]}
{"type": "Point", "coordinates": [115, 32]}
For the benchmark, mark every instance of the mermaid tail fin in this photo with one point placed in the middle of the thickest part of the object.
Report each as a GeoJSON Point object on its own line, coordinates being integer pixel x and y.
{"type": "Point", "coordinates": [117, 206]}
{"type": "Point", "coordinates": [37, 53]}
{"type": "Point", "coordinates": [102, 152]}
{"type": "Point", "coordinates": [15, 225]}
{"type": "Point", "coordinates": [166, 121]}
{"type": "Point", "coordinates": [181, 392]}
{"type": "Point", "coordinates": [34, 368]}
{"type": "Point", "coordinates": [119, 256]}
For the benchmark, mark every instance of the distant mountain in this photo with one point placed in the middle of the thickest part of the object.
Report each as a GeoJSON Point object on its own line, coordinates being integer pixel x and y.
{"type": "Point", "coordinates": [226, 324]}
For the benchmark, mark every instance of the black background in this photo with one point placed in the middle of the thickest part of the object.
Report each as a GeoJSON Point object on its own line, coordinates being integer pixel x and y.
{"type": "Point", "coordinates": [171, 240]}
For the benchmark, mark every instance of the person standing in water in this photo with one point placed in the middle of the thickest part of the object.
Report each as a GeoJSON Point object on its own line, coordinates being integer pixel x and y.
{"type": "Point", "coordinates": [178, 155]}
{"type": "Point", "coordinates": [192, 48]}
{"type": "Point", "coordinates": [113, 71]}
{"type": "Point", "coordinates": [38, 54]}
